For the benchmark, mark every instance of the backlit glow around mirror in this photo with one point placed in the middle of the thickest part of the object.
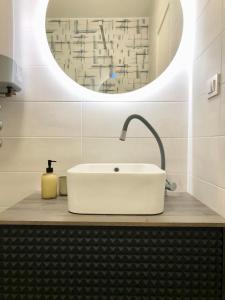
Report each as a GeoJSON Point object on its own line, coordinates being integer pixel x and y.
{"type": "Point", "coordinates": [177, 73]}
{"type": "Point", "coordinates": [114, 54]}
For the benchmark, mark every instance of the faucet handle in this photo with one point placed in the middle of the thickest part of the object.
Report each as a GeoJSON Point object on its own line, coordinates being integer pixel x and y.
{"type": "Point", "coordinates": [170, 186]}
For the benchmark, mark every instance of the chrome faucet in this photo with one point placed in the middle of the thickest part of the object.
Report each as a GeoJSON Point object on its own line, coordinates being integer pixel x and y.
{"type": "Point", "coordinates": [171, 186]}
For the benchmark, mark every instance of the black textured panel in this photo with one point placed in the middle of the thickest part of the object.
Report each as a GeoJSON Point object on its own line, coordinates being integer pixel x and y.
{"type": "Point", "coordinates": [112, 263]}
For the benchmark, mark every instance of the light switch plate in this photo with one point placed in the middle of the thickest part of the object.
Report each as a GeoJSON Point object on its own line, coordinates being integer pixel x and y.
{"type": "Point", "coordinates": [213, 86]}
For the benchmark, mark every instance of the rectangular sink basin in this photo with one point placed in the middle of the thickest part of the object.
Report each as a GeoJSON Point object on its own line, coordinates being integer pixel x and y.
{"type": "Point", "coordinates": [130, 189]}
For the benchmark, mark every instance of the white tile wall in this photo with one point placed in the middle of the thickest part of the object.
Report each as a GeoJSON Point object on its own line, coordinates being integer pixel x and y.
{"type": "Point", "coordinates": [209, 25]}
{"type": "Point", "coordinates": [3, 208]}
{"type": "Point", "coordinates": [16, 186]}
{"type": "Point", "coordinates": [208, 64]}
{"type": "Point", "coordinates": [223, 14]}
{"type": "Point", "coordinates": [221, 116]}
{"type": "Point", "coordinates": [108, 118]}
{"type": "Point", "coordinates": [200, 6]}
{"type": "Point", "coordinates": [210, 194]}
{"type": "Point", "coordinates": [209, 163]}
{"type": "Point", "coordinates": [41, 119]}
{"type": "Point", "coordinates": [174, 89]}
{"type": "Point", "coordinates": [31, 154]}
{"type": "Point", "coordinates": [206, 116]}
{"type": "Point", "coordinates": [208, 181]}
{"type": "Point", "coordinates": [42, 84]}
{"type": "Point", "coordinates": [31, 51]}
{"type": "Point", "coordinates": [53, 118]}
{"type": "Point", "coordinates": [6, 21]}
{"type": "Point", "coordinates": [223, 55]}
{"type": "Point", "coordinates": [139, 150]}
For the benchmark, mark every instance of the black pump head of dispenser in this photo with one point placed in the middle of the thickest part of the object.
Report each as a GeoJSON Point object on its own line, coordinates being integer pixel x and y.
{"type": "Point", "coordinates": [50, 169]}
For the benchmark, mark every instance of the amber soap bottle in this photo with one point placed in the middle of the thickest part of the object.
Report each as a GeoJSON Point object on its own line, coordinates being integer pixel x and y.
{"type": "Point", "coordinates": [49, 183]}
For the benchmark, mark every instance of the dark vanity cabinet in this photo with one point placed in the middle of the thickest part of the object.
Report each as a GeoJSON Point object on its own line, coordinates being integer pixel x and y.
{"type": "Point", "coordinates": [111, 262]}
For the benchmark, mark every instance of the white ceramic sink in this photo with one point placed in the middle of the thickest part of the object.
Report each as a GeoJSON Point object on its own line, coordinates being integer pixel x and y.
{"type": "Point", "coordinates": [136, 189]}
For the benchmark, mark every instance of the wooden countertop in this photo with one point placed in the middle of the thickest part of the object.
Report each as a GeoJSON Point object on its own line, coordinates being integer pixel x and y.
{"type": "Point", "coordinates": [181, 210]}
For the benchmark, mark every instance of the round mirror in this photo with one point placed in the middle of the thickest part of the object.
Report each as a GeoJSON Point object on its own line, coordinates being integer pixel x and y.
{"type": "Point", "coordinates": [114, 46]}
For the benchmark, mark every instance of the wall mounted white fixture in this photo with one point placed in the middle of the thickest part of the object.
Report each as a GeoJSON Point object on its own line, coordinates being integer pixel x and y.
{"type": "Point", "coordinates": [213, 85]}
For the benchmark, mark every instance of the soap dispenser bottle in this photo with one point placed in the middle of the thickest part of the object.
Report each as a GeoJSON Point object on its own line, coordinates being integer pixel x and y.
{"type": "Point", "coordinates": [49, 183]}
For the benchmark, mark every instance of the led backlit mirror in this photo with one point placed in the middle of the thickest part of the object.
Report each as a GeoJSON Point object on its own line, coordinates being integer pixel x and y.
{"type": "Point", "coordinates": [114, 46]}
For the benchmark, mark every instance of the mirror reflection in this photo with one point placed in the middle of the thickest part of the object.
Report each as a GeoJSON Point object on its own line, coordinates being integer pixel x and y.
{"type": "Point", "coordinates": [114, 46]}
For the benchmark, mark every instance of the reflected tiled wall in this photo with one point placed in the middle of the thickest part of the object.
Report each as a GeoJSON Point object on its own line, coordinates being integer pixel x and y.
{"type": "Point", "coordinates": [77, 45]}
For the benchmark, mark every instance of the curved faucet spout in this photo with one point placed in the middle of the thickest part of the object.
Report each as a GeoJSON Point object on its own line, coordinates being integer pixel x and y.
{"type": "Point", "coordinates": [171, 186]}
{"type": "Point", "coordinates": [152, 130]}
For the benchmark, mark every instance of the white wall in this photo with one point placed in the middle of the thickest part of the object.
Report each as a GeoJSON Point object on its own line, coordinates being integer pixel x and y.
{"type": "Point", "coordinates": [165, 34]}
{"type": "Point", "coordinates": [6, 45]}
{"type": "Point", "coordinates": [208, 176]}
{"type": "Point", "coordinates": [53, 118]}
{"type": "Point", "coordinates": [6, 25]}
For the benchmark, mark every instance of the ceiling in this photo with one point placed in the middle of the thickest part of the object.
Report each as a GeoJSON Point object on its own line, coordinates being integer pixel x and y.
{"type": "Point", "coordinates": [99, 8]}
